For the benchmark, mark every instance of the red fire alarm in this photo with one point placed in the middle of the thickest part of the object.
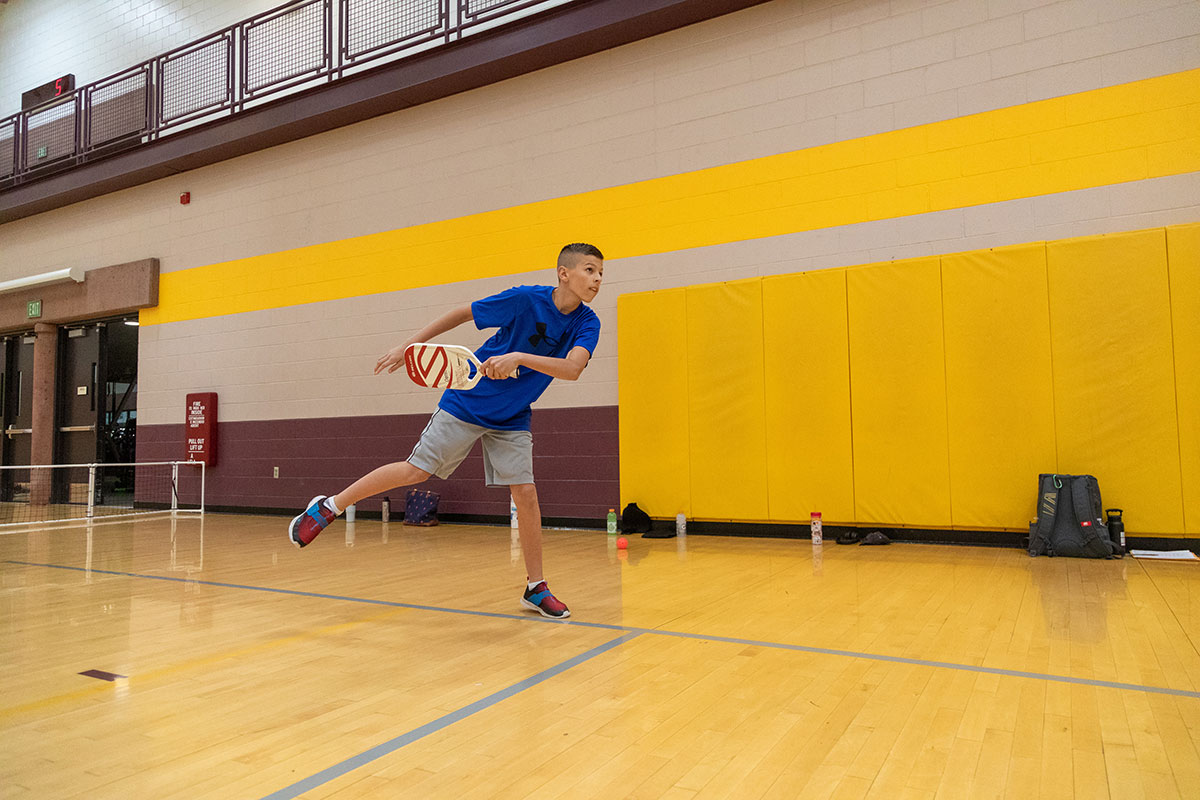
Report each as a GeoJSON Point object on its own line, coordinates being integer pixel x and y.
{"type": "Point", "coordinates": [185, 198]}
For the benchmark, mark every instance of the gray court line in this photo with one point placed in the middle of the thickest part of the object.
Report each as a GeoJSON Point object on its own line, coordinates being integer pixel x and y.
{"type": "Point", "coordinates": [801, 648]}
{"type": "Point", "coordinates": [380, 750]}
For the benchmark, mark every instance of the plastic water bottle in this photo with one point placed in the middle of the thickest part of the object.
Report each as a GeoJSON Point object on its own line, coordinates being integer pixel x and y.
{"type": "Point", "coordinates": [612, 522]}
{"type": "Point", "coordinates": [350, 509]}
{"type": "Point", "coordinates": [512, 513]}
{"type": "Point", "coordinates": [680, 524]}
{"type": "Point", "coordinates": [386, 509]}
{"type": "Point", "coordinates": [815, 526]}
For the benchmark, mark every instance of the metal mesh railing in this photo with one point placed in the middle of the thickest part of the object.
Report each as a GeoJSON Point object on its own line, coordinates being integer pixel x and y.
{"type": "Point", "coordinates": [50, 134]}
{"type": "Point", "coordinates": [197, 78]}
{"type": "Point", "coordinates": [287, 49]}
{"type": "Point", "coordinates": [8, 147]}
{"type": "Point", "coordinates": [281, 46]}
{"type": "Point", "coordinates": [477, 8]}
{"type": "Point", "coordinates": [472, 12]}
{"type": "Point", "coordinates": [378, 26]}
{"type": "Point", "coordinates": [118, 108]}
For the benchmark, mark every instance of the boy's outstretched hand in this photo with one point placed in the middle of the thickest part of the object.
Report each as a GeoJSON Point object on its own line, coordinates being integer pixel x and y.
{"type": "Point", "coordinates": [392, 360]}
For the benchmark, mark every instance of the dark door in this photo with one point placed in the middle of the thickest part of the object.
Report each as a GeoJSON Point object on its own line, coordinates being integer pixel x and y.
{"type": "Point", "coordinates": [16, 440]}
{"type": "Point", "coordinates": [4, 348]}
{"type": "Point", "coordinates": [77, 409]}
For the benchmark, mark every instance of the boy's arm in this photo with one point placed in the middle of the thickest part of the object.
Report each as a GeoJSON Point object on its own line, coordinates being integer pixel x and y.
{"type": "Point", "coordinates": [568, 368]}
{"type": "Point", "coordinates": [394, 358]}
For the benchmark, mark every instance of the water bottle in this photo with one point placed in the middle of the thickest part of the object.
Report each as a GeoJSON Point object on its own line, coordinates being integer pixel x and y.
{"type": "Point", "coordinates": [386, 509]}
{"type": "Point", "coordinates": [814, 525]}
{"type": "Point", "coordinates": [680, 524]}
{"type": "Point", "coordinates": [512, 513]}
{"type": "Point", "coordinates": [612, 522]}
{"type": "Point", "coordinates": [1116, 525]}
{"type": "Point", "coordinates": [350, 513]}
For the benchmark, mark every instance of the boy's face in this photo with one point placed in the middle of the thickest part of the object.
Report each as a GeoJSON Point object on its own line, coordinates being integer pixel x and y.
{"type": "Point", "coordinates": [583, 277]}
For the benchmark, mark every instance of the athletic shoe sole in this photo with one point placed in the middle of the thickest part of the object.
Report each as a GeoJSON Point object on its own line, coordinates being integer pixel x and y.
{"type": "Point", "coordinates": [538, 609]}
{"type": "Point", "coordinates": [296, 519]}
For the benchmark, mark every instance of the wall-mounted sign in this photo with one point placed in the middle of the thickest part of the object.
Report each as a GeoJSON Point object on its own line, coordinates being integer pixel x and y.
{"type": "Point", "coordinates": [200, 430]}
{"type": "Point", "coordinates": [33, 309]}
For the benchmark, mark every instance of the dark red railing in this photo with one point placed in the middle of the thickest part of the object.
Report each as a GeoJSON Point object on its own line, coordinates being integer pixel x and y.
{"type": "Point", "coordinates": [287, 49]}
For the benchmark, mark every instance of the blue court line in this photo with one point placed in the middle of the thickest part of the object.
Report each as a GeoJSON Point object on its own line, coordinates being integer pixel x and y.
{"type": "Point", "coordinates": [378, 751]}
{"type": "Point", "coordinates": [801, 648]}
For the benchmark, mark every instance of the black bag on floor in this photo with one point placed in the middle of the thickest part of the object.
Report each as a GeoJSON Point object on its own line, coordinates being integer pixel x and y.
{"type": "Point", "coordinates": [634, 520]}
{"type": "Point", "coordinates": [1069, 520]}
{"type": "Point", "coordinates": [420, 507]}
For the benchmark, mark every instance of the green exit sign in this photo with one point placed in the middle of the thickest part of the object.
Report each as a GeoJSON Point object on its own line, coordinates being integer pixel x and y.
{"type": "Point", "coordinates": [42, 152]}
{"type": "Point", "coordinates": [33, 309]}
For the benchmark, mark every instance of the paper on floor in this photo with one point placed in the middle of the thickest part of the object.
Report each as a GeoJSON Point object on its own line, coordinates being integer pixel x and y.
{"type": "Point", "coordinates": [1165, 555]}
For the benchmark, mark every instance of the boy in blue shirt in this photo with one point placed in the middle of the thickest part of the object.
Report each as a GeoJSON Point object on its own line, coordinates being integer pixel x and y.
{"type": "Point", "coordinates": [544, 332]}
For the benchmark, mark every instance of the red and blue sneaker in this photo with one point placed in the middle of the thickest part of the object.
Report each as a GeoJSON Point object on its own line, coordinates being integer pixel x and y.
{"type": "Point", "coordinates": [540, 600]}
{"type": "Point", "coordinates": [305, 527]}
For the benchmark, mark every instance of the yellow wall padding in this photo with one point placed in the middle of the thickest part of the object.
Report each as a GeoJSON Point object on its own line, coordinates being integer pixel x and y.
{"type": "Point", "coordinates": [653, 392]}
{"type": "Point", "coordinates": [1114, 381]}
{"type": "Point", "coordinates": [898, 394]}
{"type": "Point", "coordinates": [809, 456]}
{"type": "Point", "coordinates": [999, 384]}
{"type": "Point", "coordinates": [1183, 255]}
{"type": "Point", "coordinates": [967, 376]}
{"type": "Point", "coordinates": [726, 400]}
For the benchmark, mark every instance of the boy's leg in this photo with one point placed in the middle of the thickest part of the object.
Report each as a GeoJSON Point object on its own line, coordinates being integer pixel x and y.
{"type": "Point", "coordinates": [443, 445]}
{"type": "Point", "coordinates": [322, 510]}
{"type": "Point", "coordinates": [377, 481]}
{"type": "Point", "coordinates": [537, 596]}
{"type": "Point", "coordinates": [508, 461]}
{"type": "Point", "coordinates": [529, 527]}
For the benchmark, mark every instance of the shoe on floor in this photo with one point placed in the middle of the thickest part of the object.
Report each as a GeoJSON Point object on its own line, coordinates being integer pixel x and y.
{"type": "Point", "coordinates": [540, 600]}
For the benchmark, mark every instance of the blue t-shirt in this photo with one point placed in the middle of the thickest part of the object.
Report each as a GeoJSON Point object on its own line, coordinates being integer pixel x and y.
{"type": "Point", "coordinates": [528, 322]}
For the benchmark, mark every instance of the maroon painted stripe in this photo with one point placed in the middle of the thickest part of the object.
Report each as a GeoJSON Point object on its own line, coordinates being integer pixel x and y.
{"type": "Point", "coordinates": [575, 462]}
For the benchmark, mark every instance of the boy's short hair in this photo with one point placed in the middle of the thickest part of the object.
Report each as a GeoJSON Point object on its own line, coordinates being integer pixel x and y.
{"type": "Point", "coordinates": [579, 248]}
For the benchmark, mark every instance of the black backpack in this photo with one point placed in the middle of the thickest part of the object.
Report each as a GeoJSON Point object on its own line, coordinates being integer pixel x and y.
{"type": "Point", "coordinates": [1069, 519]}
{"type": "Point", "coordinates": [634, 520]}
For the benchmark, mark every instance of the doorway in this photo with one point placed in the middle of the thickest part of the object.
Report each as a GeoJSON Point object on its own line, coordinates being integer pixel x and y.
{"type": "Point", "coordinates": [16, 414]}
{"type": "Point", "coordinates": [96, 409]}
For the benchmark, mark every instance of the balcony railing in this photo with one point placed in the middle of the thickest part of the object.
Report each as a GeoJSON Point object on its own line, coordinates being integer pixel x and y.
{"type": "Point", "coordinates": [282, 51]}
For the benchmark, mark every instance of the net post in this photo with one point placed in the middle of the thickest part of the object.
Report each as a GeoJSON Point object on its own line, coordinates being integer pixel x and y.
{"type": "Point", "coordinates": [91, 505]}
{"type": "Point", "coordinates": [203, 472]}
{"type": "Point", "coordinates": [174, 486]}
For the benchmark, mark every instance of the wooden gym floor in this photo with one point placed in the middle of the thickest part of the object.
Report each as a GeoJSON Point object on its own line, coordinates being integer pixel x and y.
{"type": "Point", "coordinates": [396, 663]}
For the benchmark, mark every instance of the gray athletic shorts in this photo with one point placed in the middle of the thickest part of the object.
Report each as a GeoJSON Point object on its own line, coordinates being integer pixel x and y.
{"type": "Point", "coordinates": [446, 441]}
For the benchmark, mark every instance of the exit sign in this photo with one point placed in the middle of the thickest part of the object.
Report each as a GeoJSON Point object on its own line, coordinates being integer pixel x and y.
{"type": "Point", "coordinates": [33, 309]}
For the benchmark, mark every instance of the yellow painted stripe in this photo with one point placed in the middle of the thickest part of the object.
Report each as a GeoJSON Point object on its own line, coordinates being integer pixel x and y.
{"type": "Point", "coordinates": [1131, 132]}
